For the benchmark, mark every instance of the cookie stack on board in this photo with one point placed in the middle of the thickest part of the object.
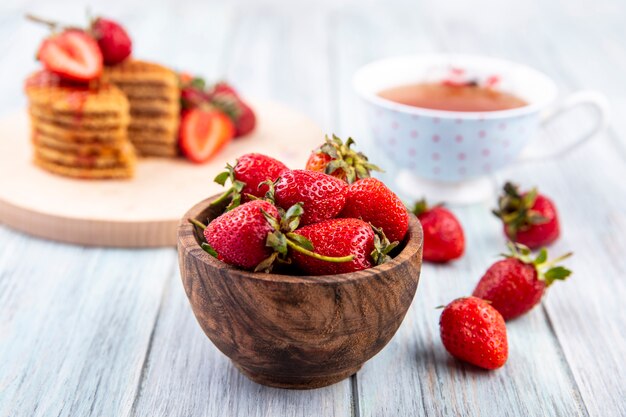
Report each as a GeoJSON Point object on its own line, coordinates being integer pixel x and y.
{"type": "Point", "coordinates": [154, 96]}
{"type": "Point", "coordinates": [79, 131]}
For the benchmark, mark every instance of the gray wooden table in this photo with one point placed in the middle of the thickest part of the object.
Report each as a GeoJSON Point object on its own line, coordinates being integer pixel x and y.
{"type": "Point", "coordinates": [109, 332]}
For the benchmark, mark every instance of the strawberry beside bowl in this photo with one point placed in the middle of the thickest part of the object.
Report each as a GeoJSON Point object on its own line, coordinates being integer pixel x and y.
{"type": "Point", "coordinates": [298, 332]}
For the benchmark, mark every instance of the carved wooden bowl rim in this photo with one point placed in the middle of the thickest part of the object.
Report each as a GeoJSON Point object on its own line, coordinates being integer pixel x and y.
{"type": "Point", "coordinates": [188, 244]}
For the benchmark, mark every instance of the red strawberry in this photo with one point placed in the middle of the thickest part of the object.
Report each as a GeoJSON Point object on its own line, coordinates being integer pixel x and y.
{"type": "Point", "coordinates": [321, 195]}
{"type": "Point", "coordinates": [443, 234]}
{"type": "Point", "coordinates": [223, 87]}
{"type": "Point", "coordinates": [256, 234]}
{"type": "Point", "coordinates": [247, 177]}
{"type": "Point", "coordinates": [337, 159]}
{"type": "Point", "coordinates": [203, 133]}
{"type": "Point", "coordinates": [473, 331]}
{"type": "Point", "coordinates": [516, 284]}
{"type": "Point", "coordinates": [224, 97]}
{"type": "Point", "coordinates": [239, 236]}
{"type": "Point", "coordinates": [72, 54]}
{"type": "Point", "coordinates": [371, 200]}
{"type": "Point", "coordinates": [113, 40]}
{"type": "Point", "coordinates": [342, 237]}
{"type": "Point", "coordinates": [529, 218]}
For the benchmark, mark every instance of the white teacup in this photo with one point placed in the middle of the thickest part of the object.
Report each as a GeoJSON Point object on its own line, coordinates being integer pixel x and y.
{"type": "Point", "coordinates": [449, 154]}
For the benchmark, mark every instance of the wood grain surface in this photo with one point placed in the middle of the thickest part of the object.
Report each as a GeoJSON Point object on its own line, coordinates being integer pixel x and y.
{"type": "Point", "coordinates": [95, 332]}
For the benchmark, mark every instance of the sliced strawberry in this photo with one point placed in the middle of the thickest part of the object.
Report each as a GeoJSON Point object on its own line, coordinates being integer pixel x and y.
{"type": "Point", "coordinates": [203, 133]}
{"type": "Point", "coordinates": [72, 54]}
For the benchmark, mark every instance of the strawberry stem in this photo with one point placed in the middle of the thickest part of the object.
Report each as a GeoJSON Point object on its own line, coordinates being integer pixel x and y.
{"type": "Point", "coordinates": [51, 24]}
{"type": "Point", "coordinates": [197, 223]}
{"type": "Point", "coordinates": [314, 255]}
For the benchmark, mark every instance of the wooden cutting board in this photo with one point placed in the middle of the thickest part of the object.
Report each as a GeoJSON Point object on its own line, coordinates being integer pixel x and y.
{"type": "Point", "coordinates": [144, 211]}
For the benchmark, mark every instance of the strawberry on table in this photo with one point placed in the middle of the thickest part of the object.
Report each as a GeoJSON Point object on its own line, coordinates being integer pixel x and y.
{"type": "Point", "coordinates": [473, 331]}
{"type": "Point", "coordinates": [529, 218]}
{"type": "Point", "coordinates": [443, 234]}
{"type": "Point", "coordinates": [72, 54]}
{"type": "Point", "coordinates": [339, 237]}
{"type": "Point", "coordinates": [322, 196]}
{"type": "Point", "coordinates": [113, 40]}
{"type": "Point", "coordinates": [370, 200]}
{"type": "Point", "coordinates": [247, 177]}
{"type": "Point", "coordinates": [517, 283]}
{"type": "Point", "coordinates": [336, 158]}
{"type": "Point", "coordinates": [203, 133]}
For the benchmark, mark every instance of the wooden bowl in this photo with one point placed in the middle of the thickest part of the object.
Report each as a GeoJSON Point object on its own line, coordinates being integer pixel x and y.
{"type": "Point", "coordinates": [292, 331]}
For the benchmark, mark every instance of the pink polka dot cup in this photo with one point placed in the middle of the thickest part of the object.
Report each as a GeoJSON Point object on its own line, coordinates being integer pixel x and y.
{"type": "Point", "coordinates": [449, 150]}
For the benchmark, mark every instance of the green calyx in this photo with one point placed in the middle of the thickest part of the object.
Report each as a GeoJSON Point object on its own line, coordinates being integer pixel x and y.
{"type": "Point", "coordinates": [234, 192]}
{"type": "Point", "coordinates": [227, 104]}
{"type": "Point", "coordinates": [354, 164]}
{"type": "Point", "coordinates": [547, 270]}
{"type": "Point", "coordinates": [515, 209]}
{"type": "Point", "coordinates": [421, 206]}
{"type": "Point", "coordinates": [382, 246]}
{"type": "Point", "coordinates": [283, 239]}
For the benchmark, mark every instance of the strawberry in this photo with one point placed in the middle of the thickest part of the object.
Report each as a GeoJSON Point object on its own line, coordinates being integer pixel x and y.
{"type": "Point", "coordinates": [517, 283]}
{"type": "Point", "coordinates": [443, 234]}
{"type": "Point", "coordinates": [256, 234]}
{"type": "Point", "coordinates": [224, 97]}
{"type": "Point", "coordinates": [370, 200]}
{"type": "Point", "coordinates": [528, 218]}
{"type": "Point", "coordinates": [113, 40]}
{"type": "Point", "coordinates": [71, 54]}
{"type": "Point", "coordinates": [203, 133]}
{"type": "Point", "coordinates": [247, 177]}
{"type": "Point", "coordinates": [473, 331]}
{"type": "Point", "coordinates": [321, 195]}
{"type": "Point", "coordinates": [341, 237]}
{"type": "Point", "coordinates": [337, 159]}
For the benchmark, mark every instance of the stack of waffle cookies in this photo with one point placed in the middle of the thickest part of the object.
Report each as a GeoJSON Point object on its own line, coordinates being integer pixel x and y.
{"type": "Point", "coordinates": [80, 131]}
{"type": "Point", "coordinates": [154, 96]}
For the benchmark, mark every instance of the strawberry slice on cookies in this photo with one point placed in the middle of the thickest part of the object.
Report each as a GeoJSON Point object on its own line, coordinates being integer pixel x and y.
{"type": "Point", "coordinates": [71, 54]}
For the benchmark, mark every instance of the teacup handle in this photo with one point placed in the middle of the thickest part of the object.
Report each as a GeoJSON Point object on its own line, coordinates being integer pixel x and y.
{"type": "Point", "coordinates": [593, 99]}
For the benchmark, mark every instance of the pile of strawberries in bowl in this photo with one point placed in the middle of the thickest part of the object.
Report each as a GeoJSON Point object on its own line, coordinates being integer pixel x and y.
{"type": "Point", "coordinates": [330, 218]}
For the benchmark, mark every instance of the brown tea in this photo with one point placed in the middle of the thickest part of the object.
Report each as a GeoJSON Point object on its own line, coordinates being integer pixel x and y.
{"type": "Point", "coordinates": [452, 97]}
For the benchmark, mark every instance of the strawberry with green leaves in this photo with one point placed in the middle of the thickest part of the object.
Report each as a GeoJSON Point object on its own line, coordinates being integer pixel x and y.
{"type": "Point", "coordinates": [517, 283]}
{"type": "Point", "coordinates": [370, 200]}
{"type": "Point", "coordinates": [256, 235]}
{"type": "Point", "coordinates": [473, 331]}
{"type": "Point", "coordinates": [338, 159]}
{"type": "Point", "coordinates": [322, 196]}
{"type": "Point", "coordinates": [529, 218]}
{"type": "Point", "coordinates": [339, 237]}
{"type": "Point", "coordinates": [444, 239]}
{"type": "Point", "coordinates": [195, 93]}
{"type": "Point", "coordinates": [247, 177]}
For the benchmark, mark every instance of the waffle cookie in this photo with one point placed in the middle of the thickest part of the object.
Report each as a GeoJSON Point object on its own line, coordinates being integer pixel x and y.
{"type": "Point", "coordinates": [80, 131]}
{"type": "Point", "coordinates": [154, 96]}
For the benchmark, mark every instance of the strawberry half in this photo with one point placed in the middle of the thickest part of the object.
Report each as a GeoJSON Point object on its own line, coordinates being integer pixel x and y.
{"type": "Point", "coordinates": [72, 54]}
{"type": "Point", "coordinates": [203, 133]}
